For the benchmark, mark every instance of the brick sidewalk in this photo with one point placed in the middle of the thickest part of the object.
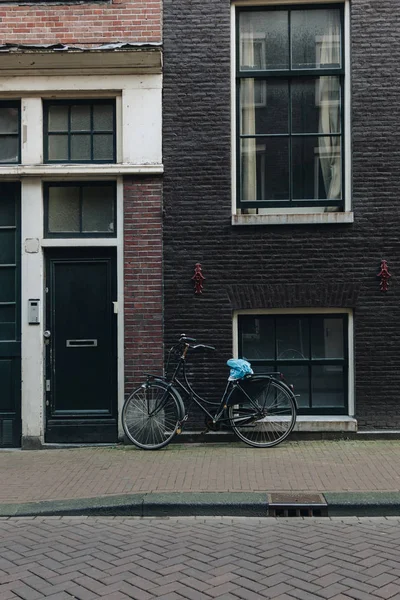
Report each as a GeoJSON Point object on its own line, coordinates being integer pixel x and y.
{"type": "Point", "coordinates": [314, 466]}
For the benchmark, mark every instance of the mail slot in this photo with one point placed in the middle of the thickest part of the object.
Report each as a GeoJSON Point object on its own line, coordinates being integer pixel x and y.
{"type": "Point", "coordinates": [81, 343]}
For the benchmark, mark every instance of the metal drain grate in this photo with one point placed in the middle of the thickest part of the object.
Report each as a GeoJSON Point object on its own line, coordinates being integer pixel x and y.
{"type": "Point", "coordinates": [297, 505]}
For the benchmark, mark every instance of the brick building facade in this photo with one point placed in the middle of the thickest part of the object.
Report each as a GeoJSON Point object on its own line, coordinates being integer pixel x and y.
{"type": "Point", "coordinates": [291, 277]}
{"type": "Point", "coordinates": [80, 215]}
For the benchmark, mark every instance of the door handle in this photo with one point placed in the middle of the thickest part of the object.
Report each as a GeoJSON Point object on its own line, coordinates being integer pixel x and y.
{"type": "Point", "coordinates": [47, 334]}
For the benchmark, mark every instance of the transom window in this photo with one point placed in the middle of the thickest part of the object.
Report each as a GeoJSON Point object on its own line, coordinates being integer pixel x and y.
{"type": "Point", "coordinates": [290, 107]}
{"type": "Point", "coordinates": [79, 131]}
{"type": "Point", "coordinates": [80, 209]}
{"type": "Point", "coordinates": [310, 350]}
{"type": "Point", "coordinates": [10, 146]}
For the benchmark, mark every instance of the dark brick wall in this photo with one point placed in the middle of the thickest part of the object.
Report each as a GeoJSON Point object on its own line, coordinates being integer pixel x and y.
{"type": "Point", "coordinates": [197, 201]}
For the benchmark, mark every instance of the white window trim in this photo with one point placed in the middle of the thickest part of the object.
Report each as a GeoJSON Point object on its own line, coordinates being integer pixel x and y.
{"type": "Point", "coordinates": [295, 216]}
{"type": "Point", "coordinates": [306, 311]}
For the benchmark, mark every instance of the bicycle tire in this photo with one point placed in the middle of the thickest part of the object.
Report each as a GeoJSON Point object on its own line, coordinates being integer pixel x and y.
{"type": "Point", "coordinates": [265, 415]}
{"type": "Point", "coordinates": [151, 416]}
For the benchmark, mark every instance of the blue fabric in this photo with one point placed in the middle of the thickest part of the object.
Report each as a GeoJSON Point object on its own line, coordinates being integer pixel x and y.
{"type": "Point", "coordinates": [239, 368]}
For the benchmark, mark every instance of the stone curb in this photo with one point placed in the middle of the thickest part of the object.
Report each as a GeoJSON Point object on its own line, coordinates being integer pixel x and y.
{"type": "Point", "coordinates": [148, 505]}
{"type": "Point", "coordinates": [249, 504]}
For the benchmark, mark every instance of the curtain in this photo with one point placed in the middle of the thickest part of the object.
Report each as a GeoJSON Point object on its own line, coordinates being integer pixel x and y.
{"type": "Point", "coordinates": [248, 114]}
{"type": "Point", "coordinates": [328, 96]}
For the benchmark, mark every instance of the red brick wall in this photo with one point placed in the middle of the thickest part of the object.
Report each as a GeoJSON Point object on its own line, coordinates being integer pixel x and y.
{"type": "Point", "coordinates": [143, 278]}
{"type": "Point", "coordinates": [80, 24]}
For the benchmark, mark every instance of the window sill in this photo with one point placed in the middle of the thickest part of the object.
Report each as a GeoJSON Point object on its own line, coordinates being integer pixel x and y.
{"type": "Point", "coordinates": [294, 219]}
{"type": "Point", "coordinates": [66, 169]}
{"type": "Point", "coordinates": [326, 423]}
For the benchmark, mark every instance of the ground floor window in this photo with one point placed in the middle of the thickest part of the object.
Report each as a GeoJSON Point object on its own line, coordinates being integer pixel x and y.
{"type": "Point", "coordinates": [311, 350]}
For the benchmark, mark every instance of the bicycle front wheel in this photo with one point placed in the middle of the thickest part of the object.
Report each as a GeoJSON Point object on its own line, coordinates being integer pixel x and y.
{"type": "Point", "coordinates": [264, 412]}
{"type": "Point", "coordinates": [151, 416]}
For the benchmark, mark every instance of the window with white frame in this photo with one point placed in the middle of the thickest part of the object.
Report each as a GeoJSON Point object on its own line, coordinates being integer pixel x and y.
{"type": "Point", "coordinates": [79, 131]}
{"type": "Point", "coordinates": [80, 209]}
{"type": "Point", "coordinates": [290, 98]}
{"type": "Point", "coordinates": [311, 350]}
{"type": "Point", "coordinates": [10, 138]}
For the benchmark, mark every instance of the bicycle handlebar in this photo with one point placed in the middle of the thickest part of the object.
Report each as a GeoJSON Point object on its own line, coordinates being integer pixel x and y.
{"type": "Point", "coordinates": [203, 346]}
{"type": "Point", "coordinates": [184, 338]}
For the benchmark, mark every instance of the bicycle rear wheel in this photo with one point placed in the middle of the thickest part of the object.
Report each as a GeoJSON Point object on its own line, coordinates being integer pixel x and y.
{"type": "Point", "coordinates": [264, 412]}
{"type": "Point", "coordinates": [151, 416]}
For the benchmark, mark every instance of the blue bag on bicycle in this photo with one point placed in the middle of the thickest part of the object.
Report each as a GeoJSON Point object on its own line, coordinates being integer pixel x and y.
{"type": "Point", "coordinates": [239, 368]}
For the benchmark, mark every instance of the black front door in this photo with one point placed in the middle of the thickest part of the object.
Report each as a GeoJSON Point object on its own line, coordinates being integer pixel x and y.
{"type": "Point", "coordinates": [10, 315]}
{"type": "Point", "coordinates": [81, 382]}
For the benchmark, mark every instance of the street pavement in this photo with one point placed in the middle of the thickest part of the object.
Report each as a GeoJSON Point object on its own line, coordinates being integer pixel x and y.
{"type": "Point", "coordinates": [117, 558]}
{"type": "Point", "coordinates": [79, 480]}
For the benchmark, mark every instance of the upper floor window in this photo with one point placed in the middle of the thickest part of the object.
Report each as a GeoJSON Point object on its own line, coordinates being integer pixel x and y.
{"type": "Point", "coordinates": [10, 144]}
{"type": "Point", "coordinates": [290, 69]}
{"type": "Point", "coordinates": [79, 131]}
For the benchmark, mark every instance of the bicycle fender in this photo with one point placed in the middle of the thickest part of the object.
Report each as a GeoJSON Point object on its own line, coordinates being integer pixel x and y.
{"type": "Point", "coordinates": [175, 394]}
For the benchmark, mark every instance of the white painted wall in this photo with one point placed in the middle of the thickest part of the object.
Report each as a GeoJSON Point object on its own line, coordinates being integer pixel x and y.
{"type": "Point", "coordinates": [32, 287]}
{"type": "Point", "coordinates": [139, 124]}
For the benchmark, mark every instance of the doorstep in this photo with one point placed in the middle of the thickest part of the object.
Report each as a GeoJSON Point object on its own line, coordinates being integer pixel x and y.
{"type": "Point", "coordinates": [326, 423]}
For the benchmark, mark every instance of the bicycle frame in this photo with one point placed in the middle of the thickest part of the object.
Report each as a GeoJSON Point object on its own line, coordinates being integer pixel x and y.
{"type": "Point", "coordinates": [187, 388]}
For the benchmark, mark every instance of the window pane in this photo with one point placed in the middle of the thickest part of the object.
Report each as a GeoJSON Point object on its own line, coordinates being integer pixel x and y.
{"type": "Point", "coordinates": [7, 284]}
{"type": "Point", "coordinates": [328, 386]}
{"type": "Point", "coordinates": [292, 338]}
{"type": "Point", "coordinates": [317, 172]}
{"type": "Point", "coordinates": [80, 147]}
{"type": "Point", "coordinates": [63, 209]}
{"type": "Point", "coordinates": [7, 323]}
{"type": "Point", "coordinates": [9, 146]}
{"type": "Point", "coordinates": [299, 377]}
{"type": "Point", "coordinates": [7, 246]}
{"type": "Point", "coordinates": [264, 40]}
{"type": "Point", "coordinates": [265, 169]}
{"type": "Point", "coordinates": [316, 105]}
{"type": "Point", "coordinates": [327, 337]}
{"type": "Point", "coordinates": [58, 147]}
{"type": "Point", "coordinates": [316, 38]}
{"type": "Point", "coordinates": [80, 118]}
{"type": "Point", "coordinates": [263, 369]}
{"type": "Point", "coordinates": [103, 147]}
{"type": "Point", "coordinates": [7, 209]}
{"type": "Point", "coordinates": [264, 106]}
{"type": "Point", "coordinates": [58, 118]}
{"type": "Point", "coordinates": [103, 117]}
{"type": "Point", "coordinates": [98, 209]}
{"type": "Point", "coordinates": [257, 337]}
{"type": "Point", "coordinates": [8, 120]}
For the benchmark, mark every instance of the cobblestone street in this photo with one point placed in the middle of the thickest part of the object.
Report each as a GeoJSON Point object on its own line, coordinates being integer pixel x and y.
{"type": "Point", "coordinates": [199, 558]}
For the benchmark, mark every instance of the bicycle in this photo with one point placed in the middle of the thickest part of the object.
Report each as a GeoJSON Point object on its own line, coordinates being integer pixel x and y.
{"type": "Point", "coordinates": [260, 409]}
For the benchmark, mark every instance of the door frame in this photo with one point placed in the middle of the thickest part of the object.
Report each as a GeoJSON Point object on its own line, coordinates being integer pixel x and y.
{"type": "Point", "coordinates": [59, 429]}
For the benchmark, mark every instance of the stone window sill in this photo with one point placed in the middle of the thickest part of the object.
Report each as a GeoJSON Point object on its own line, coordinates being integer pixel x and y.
{"type": "Point", "coordinates": [321, 218]}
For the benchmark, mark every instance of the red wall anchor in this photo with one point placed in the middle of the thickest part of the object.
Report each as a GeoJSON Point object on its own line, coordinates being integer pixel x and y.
{"type": "Point", "coordinates": [198, 279]}
{"type": "Point", "coordinates": [384, 275]}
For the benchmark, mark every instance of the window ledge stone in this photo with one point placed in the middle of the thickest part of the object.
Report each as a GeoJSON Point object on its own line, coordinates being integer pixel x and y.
{"type": "Point", "coordinates": [321, 218]}
{"type": "Point", "coordinates": [326, 423]}
{"type": "Point", "coordinates": [68, 169]}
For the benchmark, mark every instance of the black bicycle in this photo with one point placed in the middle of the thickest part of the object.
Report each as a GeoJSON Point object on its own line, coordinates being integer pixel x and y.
{"type": "Point", "coordinates": [261, 409]}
